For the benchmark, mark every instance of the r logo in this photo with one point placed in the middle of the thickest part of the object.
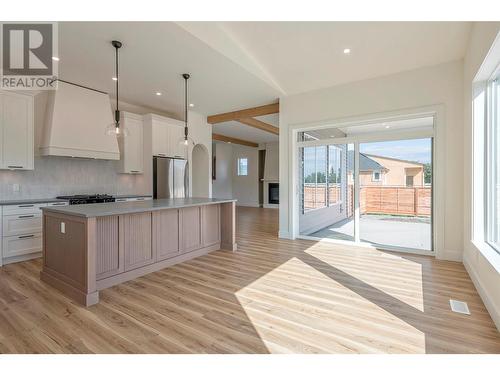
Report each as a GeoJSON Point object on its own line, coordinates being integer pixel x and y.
{"type": "Point", "coordinates": [27, 49]}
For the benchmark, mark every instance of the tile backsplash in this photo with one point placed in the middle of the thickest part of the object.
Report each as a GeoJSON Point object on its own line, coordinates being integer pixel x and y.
{"type": "Point", "coordinates": [55, 176]}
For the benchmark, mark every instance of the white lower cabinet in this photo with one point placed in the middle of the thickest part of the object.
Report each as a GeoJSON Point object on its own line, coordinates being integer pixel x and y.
{"type": "Point", "coordinates": [21, 231]}
{"type": "Point", "coordinates": [21, 245]}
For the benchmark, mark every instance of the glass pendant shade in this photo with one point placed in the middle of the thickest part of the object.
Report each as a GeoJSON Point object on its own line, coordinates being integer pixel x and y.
{"type": "Point", "coordinates": [186, 142]}
{"type": "Point", "coordinates": [118, 131]}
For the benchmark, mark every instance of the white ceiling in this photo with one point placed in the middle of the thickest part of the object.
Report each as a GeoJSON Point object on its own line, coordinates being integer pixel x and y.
{"type": "Point", "coordinates": [236, 65]}
{"type": "Point", "coordinates": [153, 57]}
{"type": "Point", "coordinates": [304, 56]}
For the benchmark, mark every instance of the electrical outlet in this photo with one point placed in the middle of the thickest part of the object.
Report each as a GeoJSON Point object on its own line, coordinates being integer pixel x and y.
{"type": "Point", "coordinates": [16, 188]}
{"type": "Point", "coordinates": [63, 227]}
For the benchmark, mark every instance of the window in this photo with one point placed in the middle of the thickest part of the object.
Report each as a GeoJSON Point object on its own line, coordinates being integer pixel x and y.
{"type": "Point", "coordinates": [376, 176]}
{"type": "Point", "coordinates": [493, 164]}
{"type": "Point", "coordinates": [314, 177]}
{"type": "Point", "coordinates": [242, 166]}
{"type": "Point", "coordinates": [334, 176]}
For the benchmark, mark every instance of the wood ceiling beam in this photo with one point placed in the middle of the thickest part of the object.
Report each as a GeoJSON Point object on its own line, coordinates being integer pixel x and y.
{"type": "Point", "coordinates": [244, 113]}
{"type": "Point", "coordinates": [223, 138]}
{"type": "Point", "coordinates": [260, 125]}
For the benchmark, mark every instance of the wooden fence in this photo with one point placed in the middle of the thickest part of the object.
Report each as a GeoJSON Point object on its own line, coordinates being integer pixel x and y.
{"type": "Point", "coordinates": [385, 200]}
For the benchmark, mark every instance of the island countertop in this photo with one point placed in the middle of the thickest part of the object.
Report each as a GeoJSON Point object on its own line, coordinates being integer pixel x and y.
{"type": "Point", "coordinates": [120, 208]}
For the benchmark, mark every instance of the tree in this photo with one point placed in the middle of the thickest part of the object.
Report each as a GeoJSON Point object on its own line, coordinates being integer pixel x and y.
{"type": "Point", "coordinates": [427, 173]}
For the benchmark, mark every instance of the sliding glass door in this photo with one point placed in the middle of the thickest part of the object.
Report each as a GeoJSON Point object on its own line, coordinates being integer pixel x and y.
{"type": "Point", "coordinates": [391, 181]}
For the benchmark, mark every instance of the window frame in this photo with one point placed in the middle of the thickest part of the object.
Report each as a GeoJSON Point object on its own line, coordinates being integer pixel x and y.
{"type": "Point", "coordinates": [238, 167]}
{"type": "Point", "coordinates": [379, 176]}
{"type": "Point", "coordinates": [490, 133]}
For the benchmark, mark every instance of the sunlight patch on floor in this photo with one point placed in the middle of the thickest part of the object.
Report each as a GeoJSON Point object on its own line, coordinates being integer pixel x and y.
{"type": "Point", "coordinates": [402, 278]}
{"type": "Point", "coordinates": [299, 308]}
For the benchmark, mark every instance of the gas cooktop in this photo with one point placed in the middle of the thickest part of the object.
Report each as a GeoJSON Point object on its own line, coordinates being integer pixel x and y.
{"type": "Point", "coordinates": [86, 199]}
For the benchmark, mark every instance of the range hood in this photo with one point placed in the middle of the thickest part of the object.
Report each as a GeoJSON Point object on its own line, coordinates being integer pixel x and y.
{"type": "Point", "coordinates": [75, 121]}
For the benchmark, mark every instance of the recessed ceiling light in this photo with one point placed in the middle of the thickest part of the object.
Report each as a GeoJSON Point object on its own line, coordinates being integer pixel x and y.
{"type": "Point", "coordinates": [347, 51]}
{"type": "Point", "coordinates": [332, 136]}
{"type": "Point", "coordinates": [387, 126]}
{"type": "Point", "coordinates": [229, 142]}
{"type": "Point", "coordinates": [191, 104]}
{"type": "Point", "coordinates": [158, 93]}
{"type": "Point", "coordinates": [55, 58]}
{"type": "Point", "coordinates": [114, 79]}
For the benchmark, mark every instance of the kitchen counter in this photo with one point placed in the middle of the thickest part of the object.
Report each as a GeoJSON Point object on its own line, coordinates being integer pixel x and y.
{"type": "Point", "coordinates": [120, 208]}
{"type": "Point", "coordinates": [87, 248]}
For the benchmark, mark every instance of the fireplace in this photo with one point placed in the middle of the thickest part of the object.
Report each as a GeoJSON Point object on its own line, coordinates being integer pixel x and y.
{"type": "Point", "coordinates": [273, 196]}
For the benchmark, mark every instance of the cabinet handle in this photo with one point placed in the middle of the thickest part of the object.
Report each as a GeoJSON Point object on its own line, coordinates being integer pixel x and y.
{"type": "Point", "coordinates": [25, 216]}
{"type": "Point", "coordinates": [26, 205]}
{"type": "Point", "coordinates": [140, 199]}
{"type": "Point", "coordinates": [27, 236]}
{"type": "Point", "coordinates": [15, 166]}
{"type": "Point", "coordinates": [58, 204]}
{"type": "Point", "coordinates": [134, 171]}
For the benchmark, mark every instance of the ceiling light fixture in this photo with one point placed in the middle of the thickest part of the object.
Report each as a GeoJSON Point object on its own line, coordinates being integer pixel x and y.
{"type": "Point", "coordinates": [387, 126]}
{"type": "Point", "coordinates": [191, 105]}
{"type": "Point", "coordinates": [347, 51]}
{"type": "Point", "coordinates": [114, 128]}
{"type": "Point", "coordinates": [114, 79]}
{"type": "Point", "coordinates": [186, 141]}
{"type": "Point", "coordinates": [55, 58]}
{"type": "Point", "coordinates": [158, 93]}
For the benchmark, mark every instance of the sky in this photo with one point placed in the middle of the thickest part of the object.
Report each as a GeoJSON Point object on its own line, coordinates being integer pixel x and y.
{"type": "Point", "coordinates": [412, 150]}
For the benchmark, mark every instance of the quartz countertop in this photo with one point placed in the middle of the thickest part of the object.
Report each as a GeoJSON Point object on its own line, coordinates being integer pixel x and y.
{"type": "Point", "coordinates": [120, 208]}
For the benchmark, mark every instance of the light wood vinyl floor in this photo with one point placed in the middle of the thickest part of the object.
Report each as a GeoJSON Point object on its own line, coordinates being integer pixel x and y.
{"type": "Point", "coordinates": [272, 296]}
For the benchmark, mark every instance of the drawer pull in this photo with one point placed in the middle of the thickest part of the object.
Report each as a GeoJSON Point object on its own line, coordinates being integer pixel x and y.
{"type": "Point", "coordinates": [27, 236]}
{"type": "Point", "coordinates": [15, 166]}
{"type": "Point", "coordinates": [26, 205]}
{"type": "Point", "coordinates": [58, 204]}
{"type": "Point", "coordinates": [134, 171]}
{"type": "Point", "coordinates": [140, 199]}
{"type": "Point", "coordinates": [25, 216]}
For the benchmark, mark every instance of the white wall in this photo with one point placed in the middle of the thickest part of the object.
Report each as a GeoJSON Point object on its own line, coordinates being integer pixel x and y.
{"type": "Point", "coordinates": [201, 133]}
{"type": "Point", "coordinates": [437, 86]}
{"type": "Point", "coordinates": [482, 269]}
{"type": "Point", "coordinates": [201, 171]}
{"type": "Point", "coordinates": [222, 186]}
{"type": "Point", "coordinates": [246, 188]}
{"type": "Point", "coordinates": [228, 184]}
{"type": "Point", "coordinates": [271, 165]}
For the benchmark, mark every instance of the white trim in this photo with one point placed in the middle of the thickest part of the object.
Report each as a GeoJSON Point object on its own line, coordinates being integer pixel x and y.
{"type": "Point", "coordinates": [489, 303]}
{"type": "Point", "coordinates": [357, 189]}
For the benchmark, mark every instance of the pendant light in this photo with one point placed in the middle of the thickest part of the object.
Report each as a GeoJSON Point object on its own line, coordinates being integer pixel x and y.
{"type": "Point", "coordinates": [114, 129]}
{"type": "Point", "coordinates": [186, 141]}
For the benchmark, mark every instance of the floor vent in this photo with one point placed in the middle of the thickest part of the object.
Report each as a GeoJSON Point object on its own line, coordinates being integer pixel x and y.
{"type": "Point", "coordinates": [459, 307]}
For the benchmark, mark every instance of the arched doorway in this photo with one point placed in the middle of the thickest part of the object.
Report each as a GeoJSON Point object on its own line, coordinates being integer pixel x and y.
{"type": "Point", "coordinates": [201, 171]}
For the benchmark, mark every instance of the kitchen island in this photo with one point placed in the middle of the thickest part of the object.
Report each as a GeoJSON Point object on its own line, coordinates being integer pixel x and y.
{"type": "Point", "coordinates": [90, 247]}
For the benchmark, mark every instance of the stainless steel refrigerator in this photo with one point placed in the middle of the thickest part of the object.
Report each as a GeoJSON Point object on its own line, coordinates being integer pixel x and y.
{"type": "Point", "coordinates": [170, 178]}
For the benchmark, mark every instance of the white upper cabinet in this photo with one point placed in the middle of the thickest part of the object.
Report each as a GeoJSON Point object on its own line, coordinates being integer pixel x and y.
{"type": "Point", "coordinates": [132, 146]}
{"type": "Point", "coordinates": [16, 131]}
{"type": "Point", "coordinates": [166, 133]}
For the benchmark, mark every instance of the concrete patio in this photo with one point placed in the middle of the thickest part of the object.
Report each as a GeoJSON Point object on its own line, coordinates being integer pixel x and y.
{"type": "Point", "coordinates": [409, 232]}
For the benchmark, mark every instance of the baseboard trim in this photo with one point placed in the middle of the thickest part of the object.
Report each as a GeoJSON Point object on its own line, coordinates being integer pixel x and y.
{"type": "Point", "coordinates": [449, 255]}
{"type": "Point", "coordinates": [493, 310]}
{"type": "Point", "coordinates": [284, 234]}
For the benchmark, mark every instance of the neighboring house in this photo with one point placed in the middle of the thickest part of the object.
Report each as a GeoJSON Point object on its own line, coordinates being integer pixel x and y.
{"type": "Point", "coordinates": [377, 170]}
